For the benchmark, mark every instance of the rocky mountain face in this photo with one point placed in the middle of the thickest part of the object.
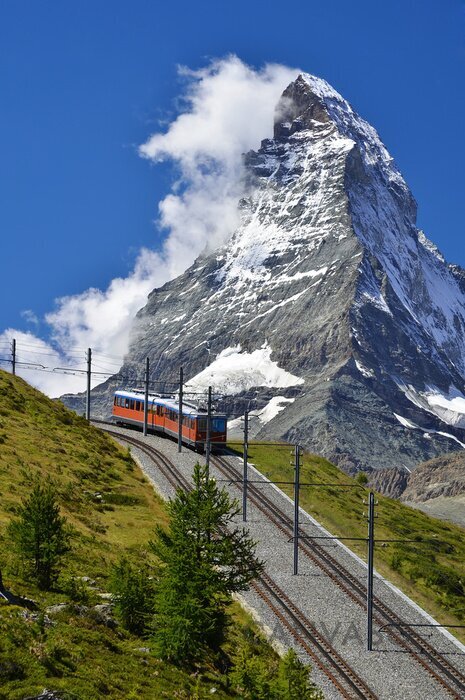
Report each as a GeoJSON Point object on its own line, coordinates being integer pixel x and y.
{"type": "Point", "coordinates": [327, 309]}
{"type": "Point", "coordinates": [437, 487]}
{"type": "Point", "coordinates": [442, 476]}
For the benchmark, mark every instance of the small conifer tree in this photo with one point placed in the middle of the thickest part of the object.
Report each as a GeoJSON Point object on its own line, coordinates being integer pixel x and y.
{"type": "Point", "coordinates": [297, 682]}
{"type": "Point", "coordinates": [133, 594]}
{"type": "Point", "coordinates": [40, 534]}
{"type": "Point", "coordinates": [205, 560]}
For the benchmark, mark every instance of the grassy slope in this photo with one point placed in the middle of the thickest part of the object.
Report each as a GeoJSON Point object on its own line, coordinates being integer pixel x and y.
{"type": "Point", "coordinates": [78, 654]}
{"type": "Point", "coordinates": [432, 574]}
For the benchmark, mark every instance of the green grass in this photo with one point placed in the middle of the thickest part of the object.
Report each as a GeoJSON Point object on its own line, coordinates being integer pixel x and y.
{"type": "Point", "coordinates": [431, 570]}
{"type": "Point", "coordinates": [113, 510]}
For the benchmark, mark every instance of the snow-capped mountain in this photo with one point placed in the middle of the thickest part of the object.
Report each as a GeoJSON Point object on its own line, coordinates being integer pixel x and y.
{"type": "Point", "coordinates": [327, 306]}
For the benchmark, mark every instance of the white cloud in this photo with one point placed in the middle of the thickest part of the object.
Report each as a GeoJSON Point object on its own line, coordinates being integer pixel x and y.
{"type": "Point", "coordinates": [228, 109]}
{"type": "Point", "coordinates": [30, 317]}
{"type": "Point", "coordinates": [101, 320]}
{"type": "Point", "coordinates": [36, 361]}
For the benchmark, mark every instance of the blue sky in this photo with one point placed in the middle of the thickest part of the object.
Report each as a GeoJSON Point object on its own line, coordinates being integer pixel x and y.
{"type": "Point", "coordinates": [83, 84]}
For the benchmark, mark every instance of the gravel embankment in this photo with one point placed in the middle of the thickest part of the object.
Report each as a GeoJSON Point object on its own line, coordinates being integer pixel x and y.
{"type": "Point", "coordinates": [389, 671]}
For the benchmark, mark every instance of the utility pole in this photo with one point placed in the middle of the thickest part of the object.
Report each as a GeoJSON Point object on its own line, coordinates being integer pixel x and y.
{"type": "Point", "coordinates": [89, 376]}
{"type": "Point", "coordinates": [245, 452]}
{"type": "Point", "coordinates": [209, 428]}
{"type": "Point", "coordinates": [181, 381]}
{"type": "Point", "coordinates": [146, 394]}
{"type": "Point", "coordinates": [13, 355]}
{"type": "Point", "coordinates": [296, 507]}
{"type": "Point", "coordinates": [371, 543]}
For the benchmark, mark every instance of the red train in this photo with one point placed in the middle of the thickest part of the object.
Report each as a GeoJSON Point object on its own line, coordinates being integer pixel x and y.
{"type": "Point", "coordinates": [163, 417]}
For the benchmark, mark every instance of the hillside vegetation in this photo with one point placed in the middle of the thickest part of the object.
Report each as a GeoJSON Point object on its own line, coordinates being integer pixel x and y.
{"type": "Point", "coordinates": [430, 570]}
{"type": "Point", "coordinates": [78, 649]}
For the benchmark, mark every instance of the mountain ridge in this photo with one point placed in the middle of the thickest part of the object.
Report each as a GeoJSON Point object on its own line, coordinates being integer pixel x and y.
{"type": "Point", "coordinates": [327, 269]}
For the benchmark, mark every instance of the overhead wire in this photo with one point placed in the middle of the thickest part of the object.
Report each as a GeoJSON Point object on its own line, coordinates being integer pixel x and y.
{"type": "Point", "coordinates": [75, 350]}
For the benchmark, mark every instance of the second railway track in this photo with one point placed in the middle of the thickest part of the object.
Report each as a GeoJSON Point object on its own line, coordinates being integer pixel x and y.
{"type": "Point", "coordinates": [438, 667]}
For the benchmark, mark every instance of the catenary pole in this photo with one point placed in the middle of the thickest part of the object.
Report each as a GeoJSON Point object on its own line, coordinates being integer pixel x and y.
{"type": "Point", "coordinates": [13, 356]}
{"type": "Point", "coordinates": [296, 507]}
{"type": "Point", "coordinates": [246, 455]}
{"type": "Point", "coordinates": [89, 376]}
{"type": "Point", "coordinates": [181, 381]}
{"type": "Point", "coordinates": [371, 542]}
{"type": "Point", "coordinates": [209, 428]}
{"type": "Point", "coordinates": [146, 394]}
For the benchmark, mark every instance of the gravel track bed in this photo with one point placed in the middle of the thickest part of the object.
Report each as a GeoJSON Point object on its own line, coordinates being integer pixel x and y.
{"type": "Point", "coordinates": [389, 670]}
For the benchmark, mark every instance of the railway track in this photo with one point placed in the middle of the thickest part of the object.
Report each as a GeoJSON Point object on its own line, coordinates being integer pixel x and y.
{"type": "Point", "coordinates": [343, 677]}
{"type": "Point", "coordinates": [439, 668]}
{"type": "Point", "coordinates": [320, 651]}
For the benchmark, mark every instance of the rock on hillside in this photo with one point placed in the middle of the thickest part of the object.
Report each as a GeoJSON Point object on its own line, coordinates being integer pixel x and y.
{"type": "Point", "coordinates": [443, 476]}
{"type": "Point", "coordinates": [437, 487]}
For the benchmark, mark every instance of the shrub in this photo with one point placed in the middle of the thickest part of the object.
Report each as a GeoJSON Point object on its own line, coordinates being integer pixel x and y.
{"type": "Point", "coordinates": [75, 588]}
{"type": "Point", "coordinates": [134, 591]}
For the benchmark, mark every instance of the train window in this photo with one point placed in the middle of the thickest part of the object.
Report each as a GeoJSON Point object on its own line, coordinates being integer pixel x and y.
{"type": "Point", "coordinates": [202, 424]}
{"type": "Point", "coordinates": [219, 425]}
{"type": "Point", "coordinates": [137, 405]}
{"type": "Point", "coordinates": [114, 402]}
{"type": "Point", "coordinates": [126, 403]}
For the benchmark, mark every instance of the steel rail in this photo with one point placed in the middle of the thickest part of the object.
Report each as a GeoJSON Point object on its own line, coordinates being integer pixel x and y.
{"type": "Point", "coordinates": [309, 638]}
{"type": "Point", "coordinates": [355, 590]}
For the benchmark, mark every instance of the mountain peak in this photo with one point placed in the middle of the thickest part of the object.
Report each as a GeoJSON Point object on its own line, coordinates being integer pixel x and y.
{"type": "Point", "coordinates": [328, 272]}
{"type": "Point", "coordinates": [298, 107]}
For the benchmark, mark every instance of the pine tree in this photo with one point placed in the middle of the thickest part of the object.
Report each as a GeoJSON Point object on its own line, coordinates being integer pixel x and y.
{"type": "Point", "coordinates": [205, 560]}
{"type": "Point", "coordinates": [297, 682]}
{"type": "Point", "coordinates": [40, 533]}
{"type": "Point", "coordinates": [133, 590]}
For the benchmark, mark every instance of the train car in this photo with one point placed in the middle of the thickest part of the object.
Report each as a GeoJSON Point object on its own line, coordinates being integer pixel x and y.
{"type": "Point", "coordinates": [163, 417]}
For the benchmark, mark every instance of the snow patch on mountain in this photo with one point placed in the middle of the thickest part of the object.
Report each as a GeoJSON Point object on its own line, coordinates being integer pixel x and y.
{"type": "Point", "coordinates": [273, 408]}
{"type": "Point", "coordinates": [234, 371]}
{"type": "Point", "coordinates": [413, 426]}
{"type": "Point", "coordinates": [368, 373]}
{"type": "Point", "coordinates": [259, 418]}
{"type": "Point", "coordinates": [430, 246]}
{"type": "Point", "coordinates": [448, 408]}
{"type": "Point", "coordinates": [407, 423]}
